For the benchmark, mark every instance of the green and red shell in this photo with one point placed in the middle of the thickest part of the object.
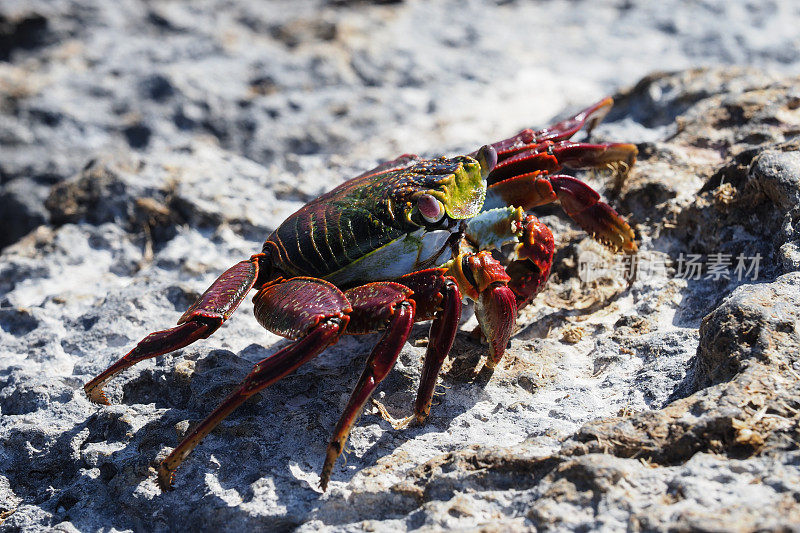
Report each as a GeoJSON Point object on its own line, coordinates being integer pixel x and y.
{"type": "Point", "coordinates": [365, 214]}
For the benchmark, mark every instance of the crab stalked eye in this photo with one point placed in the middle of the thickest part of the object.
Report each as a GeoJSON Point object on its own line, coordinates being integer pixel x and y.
{"type": "Point", "coordinates": [430, 208]}
{"type": "Point", "coordinates": [487, 158]}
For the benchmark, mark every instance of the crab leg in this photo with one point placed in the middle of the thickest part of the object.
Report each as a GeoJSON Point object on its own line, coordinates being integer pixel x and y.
{"type": "Point", "coordinates": [263, 374]}
{"type": "Point", "coordinates": [525, 162]}
{"type": "Point", "coordinates": [551, 157]}
{"type": "Point", "coordinates": [581, 203]}
{"type": "Point", "coordinates": [589, 117]}
{"type": "Point", "coordinates": [202, 319]}
{"type": "Point", "coordinates": [308, 309]}
{"type": "Point", "coordinates": [371, 302]}
{"type": "Point", "coordinates": [379, 363]}
{"type": "Point", "coordinates": [442, 334]}
{"type": "Point", "coordinates": [436, 296]}
{"type": "Point", "coordinates": [585, 155]}
{"type": "Point", "coordinates": [597, 218]}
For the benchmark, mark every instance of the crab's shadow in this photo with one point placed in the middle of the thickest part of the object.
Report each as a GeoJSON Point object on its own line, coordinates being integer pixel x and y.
{"type": "Point", "coordinates": [282, 428]}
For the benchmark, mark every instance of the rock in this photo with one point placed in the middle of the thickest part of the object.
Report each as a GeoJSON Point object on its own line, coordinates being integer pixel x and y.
{"type": "Point", "coordinates": [750, 324]}
{"type": "Point", "coordinates": [147, 147]}
{"type": "Point", "coordinates": [21, 209]}
{"type": "Point", "coordinates": [776, 173]}
{"type": "Point", "coordinates": [159, 193]}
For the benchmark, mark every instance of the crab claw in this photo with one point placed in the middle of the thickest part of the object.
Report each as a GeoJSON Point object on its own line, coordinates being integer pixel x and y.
{"type": "Point", "coordinates": [496, 311]}
{"type": "Point", "coordinates": [484, 280]}
{"type": "Point", "coordinates": [597, 218]}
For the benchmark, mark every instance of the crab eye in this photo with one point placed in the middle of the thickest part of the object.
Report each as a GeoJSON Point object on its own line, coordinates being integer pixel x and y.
{"type": "Point", "coordinates": [487, 158]}
{"type": "Point", "coordinates": [430, 208]}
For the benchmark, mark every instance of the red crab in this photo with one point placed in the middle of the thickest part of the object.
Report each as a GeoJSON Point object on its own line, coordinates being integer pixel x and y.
{"type": "Point", "coordinates": [402, 243]}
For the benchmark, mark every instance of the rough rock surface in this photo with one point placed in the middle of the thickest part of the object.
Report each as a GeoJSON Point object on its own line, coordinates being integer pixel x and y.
{"type": "Point", "coordinates": [145, 147]}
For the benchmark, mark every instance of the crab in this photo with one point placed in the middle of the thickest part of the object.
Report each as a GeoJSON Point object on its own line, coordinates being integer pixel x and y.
{"type": "Point", "coordinates": [402, 243]}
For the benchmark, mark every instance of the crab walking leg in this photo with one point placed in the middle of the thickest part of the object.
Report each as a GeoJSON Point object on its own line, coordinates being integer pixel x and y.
{"type": "Point", "coordinates": [157, 343]}
{"type": "Point", "coordinates": [308, 309]}
{"type": "Point", "coordinates": [202, 319]}
{"type": "Point", "coordinates": [440, 340]}
{"type": "Point", "coordinates": [551, 157]}
{"type": "Point", "coordinates": [597, 218]}
{"type": "Point", "coordinates": [588, 118]}
{"type": "Point", "coordinates": [367, 300]}
{"type": "Point", "coordinates": [584, 155]}
{"type": "Point", "coordinates": [263, 374]}
{"type": "Point", "coordinates": [436, 296]}
{"type": "Point", "coordinates": [579, 201]}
